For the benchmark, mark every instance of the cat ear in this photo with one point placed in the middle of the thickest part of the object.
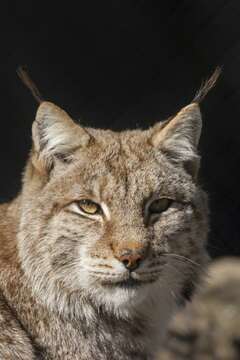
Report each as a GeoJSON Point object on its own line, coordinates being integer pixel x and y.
{"type": "Point", "coordinates": [178, 138]}
{"type": "Point", "coordinates": [55, 135]}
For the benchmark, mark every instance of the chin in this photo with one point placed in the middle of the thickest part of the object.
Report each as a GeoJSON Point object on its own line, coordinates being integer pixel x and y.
{"type": "Point", "coordinates": [123, 298]}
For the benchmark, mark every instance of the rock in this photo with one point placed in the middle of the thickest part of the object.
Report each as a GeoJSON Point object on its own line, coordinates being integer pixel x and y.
{"type": "Point", "coordinates": [209, 327]}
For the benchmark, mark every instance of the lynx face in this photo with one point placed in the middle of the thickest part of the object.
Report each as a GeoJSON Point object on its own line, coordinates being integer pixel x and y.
{"type": "Point", "coordinates": [115, 218]}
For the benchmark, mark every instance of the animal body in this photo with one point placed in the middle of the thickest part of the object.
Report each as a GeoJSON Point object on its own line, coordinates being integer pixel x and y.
{"type": "Point", "coordinates": [106, 238]}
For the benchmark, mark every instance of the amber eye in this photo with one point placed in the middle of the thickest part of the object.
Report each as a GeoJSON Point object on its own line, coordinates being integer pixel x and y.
{"type": "Point", "coordinates": [89, 207]}
{"type": "Point", "coordinates": [159, 205]}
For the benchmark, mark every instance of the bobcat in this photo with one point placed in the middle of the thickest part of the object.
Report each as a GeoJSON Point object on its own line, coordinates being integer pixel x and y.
{"type": "Point", "coordinates": [105, 240]}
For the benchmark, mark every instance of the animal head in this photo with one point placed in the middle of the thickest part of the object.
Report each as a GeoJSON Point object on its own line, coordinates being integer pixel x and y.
{"type": "Point", "coordinates": [112, 217]}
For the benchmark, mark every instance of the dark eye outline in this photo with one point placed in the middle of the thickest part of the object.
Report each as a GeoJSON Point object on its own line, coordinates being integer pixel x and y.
{"type": "Point", "coordinates": [152, 217]}
{"type": "Point", "coordinates": [152, 211]}
{"type": "Point", "coordinates": [82, 201]}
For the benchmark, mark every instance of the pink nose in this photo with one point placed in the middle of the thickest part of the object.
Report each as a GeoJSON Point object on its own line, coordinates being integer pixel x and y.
{"type": "Point", "coordinates": [131, 259]}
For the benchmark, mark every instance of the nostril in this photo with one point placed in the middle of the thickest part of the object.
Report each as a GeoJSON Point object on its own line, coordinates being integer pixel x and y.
{"type": "Point", "coordinates": [126, 263]}
{"type": "Point", "coordinates": [131, 262]}
{"type": "Point", "coordinates": [131, 258]}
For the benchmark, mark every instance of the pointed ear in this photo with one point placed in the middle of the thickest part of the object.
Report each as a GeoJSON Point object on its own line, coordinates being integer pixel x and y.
{"type": "Point", "coordinates": [55, 136]}
{"type": "Point", "coordinates": [178, 138]}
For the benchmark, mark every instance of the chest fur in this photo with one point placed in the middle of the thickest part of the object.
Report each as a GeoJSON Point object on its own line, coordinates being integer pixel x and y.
{"type": "Point", "coordinates": [103, 337]}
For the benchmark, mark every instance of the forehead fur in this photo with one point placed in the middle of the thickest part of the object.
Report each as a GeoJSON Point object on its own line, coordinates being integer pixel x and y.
{"type": "Point", "coordinates": [57, 136]}
{"type": "Point", "coordinates": [122, 166]}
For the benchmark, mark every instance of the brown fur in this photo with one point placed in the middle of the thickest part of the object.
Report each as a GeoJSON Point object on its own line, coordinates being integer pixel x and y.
{"type": "Point", "coordinates": [63, 283]}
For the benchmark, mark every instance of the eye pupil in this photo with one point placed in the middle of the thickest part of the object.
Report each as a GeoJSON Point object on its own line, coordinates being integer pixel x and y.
{"type": "Point", "coordinates": [89, 206]}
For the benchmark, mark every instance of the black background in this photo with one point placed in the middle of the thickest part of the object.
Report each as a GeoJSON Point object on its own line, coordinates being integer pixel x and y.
{"type": "Point", "coordinates": [125, 64]}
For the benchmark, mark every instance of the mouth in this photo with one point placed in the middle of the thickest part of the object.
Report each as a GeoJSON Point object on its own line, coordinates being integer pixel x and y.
{"type": "Point", "coordinates": [129, 283]}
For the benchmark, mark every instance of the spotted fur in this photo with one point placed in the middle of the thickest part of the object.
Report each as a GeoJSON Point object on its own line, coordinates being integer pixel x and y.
{"type": "Point", "coordinates": [61, 279]}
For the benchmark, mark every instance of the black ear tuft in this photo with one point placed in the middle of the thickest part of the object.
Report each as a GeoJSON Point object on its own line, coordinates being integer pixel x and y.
{"type": "Point", "coordinates": [207, 86]}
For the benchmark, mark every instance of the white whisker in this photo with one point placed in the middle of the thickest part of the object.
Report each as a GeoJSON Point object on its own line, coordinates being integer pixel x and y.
{"type": "Point", "coordinates": [181, 257]}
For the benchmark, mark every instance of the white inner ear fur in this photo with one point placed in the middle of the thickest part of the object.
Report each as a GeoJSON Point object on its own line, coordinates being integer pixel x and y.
{"type": "Point", "coordinates": [180, 136]}
{"type": "Point", "coordinates": [54, 132]}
